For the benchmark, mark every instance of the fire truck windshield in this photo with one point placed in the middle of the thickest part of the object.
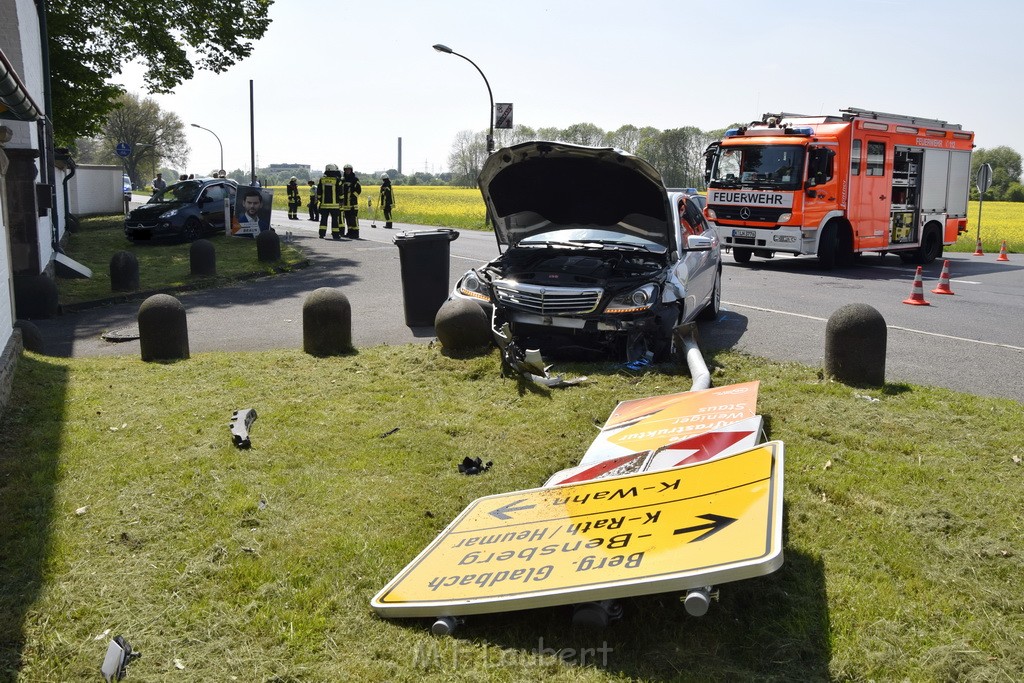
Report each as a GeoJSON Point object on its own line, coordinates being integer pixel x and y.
{"type": "Point", "coordinates": [778, 166]}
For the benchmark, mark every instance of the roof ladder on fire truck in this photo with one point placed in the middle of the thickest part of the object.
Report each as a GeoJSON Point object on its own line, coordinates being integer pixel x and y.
{"type": "Point", "coordinates": [851, 112]}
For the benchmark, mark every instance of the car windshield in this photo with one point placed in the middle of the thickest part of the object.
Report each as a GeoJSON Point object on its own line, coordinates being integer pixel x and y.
{"type": "Point", "coordinates": [759, 165]}
{"type": "Point", "coordinates": [593, 238]}
{"type": "Point", "coordinates": [185, 192]}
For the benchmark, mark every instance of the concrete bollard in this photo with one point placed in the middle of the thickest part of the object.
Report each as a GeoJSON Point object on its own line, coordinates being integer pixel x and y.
{"type": "Point", "coordinates": [268, 246]}
{"type": "Point", "coordinates": [327, 323]}
{"type": "Point", "coordinates": [124, 272]}
{"type": "Point", "coordinates": [31, 336]}
{"type": "Point", "coordinates": [163, 330]}
{"type": "Point", "coordinates": [35, 296]}
{"type": "Point", "coordinates": [202, 258]}
{"type": "Point", "coordinates": [462, 326]}
{"type": "Point", "coordinates": [855, 343]}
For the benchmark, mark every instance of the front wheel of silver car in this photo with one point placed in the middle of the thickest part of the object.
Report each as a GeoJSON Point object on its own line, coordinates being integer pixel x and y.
{"type": "Point", "coordinates": [714, 305]}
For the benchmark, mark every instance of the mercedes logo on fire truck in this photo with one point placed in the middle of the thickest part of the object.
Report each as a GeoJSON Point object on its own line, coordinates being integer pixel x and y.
{"type": "Point", "coordinates": [745, 212]}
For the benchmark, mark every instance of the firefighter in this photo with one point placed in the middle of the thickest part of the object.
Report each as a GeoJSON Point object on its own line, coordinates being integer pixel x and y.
{"type": "Point", "coordinates": [350, 189]}
{"type": "Point", "coordinates": [387, 199]}
{"type": "Point", "coordinates": [294, 200]}
{"type": "Point", "coordinates": [314, 215]}
{"type": "Point", "coordinates": [328, 196]}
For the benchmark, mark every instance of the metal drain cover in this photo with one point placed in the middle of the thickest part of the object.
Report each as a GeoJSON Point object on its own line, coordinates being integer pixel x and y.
{"type": "Point", "coordinates": [122, 335]}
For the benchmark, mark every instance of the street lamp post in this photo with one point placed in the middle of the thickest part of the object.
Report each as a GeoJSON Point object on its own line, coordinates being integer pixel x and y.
{"type": "Point", "coordinates": [490, 114]}
{"type": "Point", "coordinates": [196, 125]}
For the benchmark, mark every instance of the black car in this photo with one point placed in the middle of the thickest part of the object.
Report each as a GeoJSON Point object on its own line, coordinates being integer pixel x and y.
{"type": "Point", "coordinates": [186, 210]}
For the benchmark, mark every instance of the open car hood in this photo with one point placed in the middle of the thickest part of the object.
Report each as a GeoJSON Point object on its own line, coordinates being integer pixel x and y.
{"type": "Point", "coordinates": [535, 187]}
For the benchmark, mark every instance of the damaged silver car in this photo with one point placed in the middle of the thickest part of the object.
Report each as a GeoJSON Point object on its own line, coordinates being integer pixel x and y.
{"type": "Point", "coordinates": [599, 258]}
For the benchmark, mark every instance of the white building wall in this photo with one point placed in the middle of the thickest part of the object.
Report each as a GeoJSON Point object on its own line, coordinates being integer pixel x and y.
{"type": "Point", "coordinates": [22, 45]}
{"type": "Point", "coordinates": [96, 189]}
{"type": "Point", "coordinates": [6, 284]}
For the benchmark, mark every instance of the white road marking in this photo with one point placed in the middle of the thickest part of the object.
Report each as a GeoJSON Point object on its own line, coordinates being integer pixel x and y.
{"type": "Point", "coordinates": [891, 327]}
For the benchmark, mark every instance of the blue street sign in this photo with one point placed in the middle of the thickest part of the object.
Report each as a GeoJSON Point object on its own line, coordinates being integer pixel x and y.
{"type": "Point", "coordinates": [123, 149]}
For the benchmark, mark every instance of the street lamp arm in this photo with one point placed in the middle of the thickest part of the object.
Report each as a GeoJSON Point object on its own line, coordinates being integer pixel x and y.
{"type": "Point", "coordinates": [196, 125]}
{"type": "Point", "coordinates": [490, 114]}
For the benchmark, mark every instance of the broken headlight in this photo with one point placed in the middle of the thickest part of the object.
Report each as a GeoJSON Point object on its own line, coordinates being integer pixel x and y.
{"type": "Point", "coordinates": [471, 286]}
{"type": "Point", "coordinates": [639, 299]}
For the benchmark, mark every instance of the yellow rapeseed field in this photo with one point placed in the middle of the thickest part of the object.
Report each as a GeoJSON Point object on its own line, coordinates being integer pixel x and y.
{"type": "Point", "coordinates": [999, 221]}
{"type": "Point", "coordinates": [452, 207]}
{"type": "Point", "coordinates": [463, 207]}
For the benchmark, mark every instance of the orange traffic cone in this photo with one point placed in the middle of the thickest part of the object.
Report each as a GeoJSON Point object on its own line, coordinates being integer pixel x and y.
{"type": "Point", "coordinates": [917, 291]}
{"type": "Point", "coordinates": [977, 249]}
{"type": "Point", "coordinates": [1002, 253]}
{"type": "Point", "coordinates": [943, 286]}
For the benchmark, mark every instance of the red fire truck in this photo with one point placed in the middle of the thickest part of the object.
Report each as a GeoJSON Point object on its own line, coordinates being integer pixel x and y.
{"type": "Point", "coordinates": [839, 186]}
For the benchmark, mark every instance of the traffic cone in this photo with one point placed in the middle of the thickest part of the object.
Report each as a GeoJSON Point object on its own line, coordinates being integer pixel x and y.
{"type": "Point", "coordinates": [1002, 253]}
{"type": "Point", "coordinates": [917, 291]}
{"type": "Point", "coordinates": [943, 286]}
{"type": "Point", "coordinates": [977, 249]}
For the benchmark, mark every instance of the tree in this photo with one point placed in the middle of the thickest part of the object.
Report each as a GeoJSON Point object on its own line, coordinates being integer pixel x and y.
{"type": "Point", "coordinates": [583, 134]}
{"type": "Point", "coordinates": [155, 136]}
{"type": "Point", "coordinates": [89, 42]}
{"type": "Point", "coordinates": [1006, 169]}
{"type": "Point", "coordinates": [467, 157]}
{"type": "Point", "coordinates": [550, 134]}
{"type": "Point", "coordinates": [626, 138]}
{"type": "Point", "coordinates": [505, 137]}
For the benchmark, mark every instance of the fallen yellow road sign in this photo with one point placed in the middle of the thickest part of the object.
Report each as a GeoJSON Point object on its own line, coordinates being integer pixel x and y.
{"type": "Point", "coordinates": [654, 532]}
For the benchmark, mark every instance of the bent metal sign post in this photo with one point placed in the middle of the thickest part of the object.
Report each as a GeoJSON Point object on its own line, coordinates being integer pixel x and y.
{"type": "Point", "coordinates": [702, 524]}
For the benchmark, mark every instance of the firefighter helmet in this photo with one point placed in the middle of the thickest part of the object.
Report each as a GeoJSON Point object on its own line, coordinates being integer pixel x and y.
{"type": "Point", "coordinates": [293, 178]}
{"type": "Point", "coordinates": [347, 167]}
{"type": "Point", "coordinates": [331, 167]}
{"type": "Point", "coordinates": [384, 176]}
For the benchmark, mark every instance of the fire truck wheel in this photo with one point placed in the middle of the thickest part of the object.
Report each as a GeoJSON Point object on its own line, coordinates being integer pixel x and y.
{"type": "Point", "coordinates": [844, 247]}
{"type": "Point", "coordinates": [931, 246]}
{"type": "Point", "coordinates": [741, 255]}
{"type": "Point", "coordinates": [827, 244]}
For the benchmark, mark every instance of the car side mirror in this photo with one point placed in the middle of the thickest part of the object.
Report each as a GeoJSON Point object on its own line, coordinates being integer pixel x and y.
{"type": "Point", "coordinates": [698, 243]}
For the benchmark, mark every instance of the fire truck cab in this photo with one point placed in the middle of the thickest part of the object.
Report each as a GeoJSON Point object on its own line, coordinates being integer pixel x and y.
{"type": "Point", "coordinates": [839, 186]}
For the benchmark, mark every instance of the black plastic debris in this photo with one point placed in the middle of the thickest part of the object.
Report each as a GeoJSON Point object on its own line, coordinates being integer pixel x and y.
{"type": "Point", "coordinates": [241, 420]}
{"type": "Point", "coordinates": [388, 433]}
{"type": "Point", "coordinates": [474, 466]}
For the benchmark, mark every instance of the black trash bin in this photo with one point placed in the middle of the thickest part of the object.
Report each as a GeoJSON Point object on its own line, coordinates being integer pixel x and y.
{"type": "Point", "coordinates": [425, 258]}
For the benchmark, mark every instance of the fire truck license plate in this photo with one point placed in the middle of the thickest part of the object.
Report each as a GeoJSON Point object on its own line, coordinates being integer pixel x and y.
{"type": "Point", "coordinates": [742, 233]}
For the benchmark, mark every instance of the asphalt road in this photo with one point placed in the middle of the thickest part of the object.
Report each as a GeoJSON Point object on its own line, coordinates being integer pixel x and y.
{"type": "Point", "coordinates": [972, 341]}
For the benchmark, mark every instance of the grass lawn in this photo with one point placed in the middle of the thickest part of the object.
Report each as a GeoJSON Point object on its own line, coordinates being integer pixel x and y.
{"type": "Point", "coordinates": [162, 264]}
{"type": "Point", "coordinates": [126, 510]}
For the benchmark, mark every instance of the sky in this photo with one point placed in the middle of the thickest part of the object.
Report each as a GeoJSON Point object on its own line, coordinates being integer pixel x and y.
{"type": "Point", "coordinates": [337, 82]}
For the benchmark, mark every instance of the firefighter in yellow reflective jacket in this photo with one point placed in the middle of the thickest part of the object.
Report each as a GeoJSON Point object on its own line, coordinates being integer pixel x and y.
{"type": "Point", "coordinates": [350, 189]}
{"type": "Point", "coordinates": [328, 196]}
{"type": "Point", "coordinates": [294, 200]}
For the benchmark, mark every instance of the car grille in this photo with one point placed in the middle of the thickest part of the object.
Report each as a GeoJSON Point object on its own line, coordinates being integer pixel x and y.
{"type": "Point", "coordinates": [145, 224]}
{"type": "Point", "coordinates": [548, 300]}
{"type": "Point", "coordinates": [732, 213]}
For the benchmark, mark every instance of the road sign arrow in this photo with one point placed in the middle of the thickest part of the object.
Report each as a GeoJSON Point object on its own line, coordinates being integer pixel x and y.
{"type": "Point", "coordinates": [502, 512]}
{"type": "Point", "coordinates": [716, 524]}
{"type": "Point", "coordinates": [706, 445]}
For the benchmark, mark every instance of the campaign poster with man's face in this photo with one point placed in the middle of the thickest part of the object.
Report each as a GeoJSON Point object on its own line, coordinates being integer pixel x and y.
{"type": "Point", "coordinates": [252, 211]}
